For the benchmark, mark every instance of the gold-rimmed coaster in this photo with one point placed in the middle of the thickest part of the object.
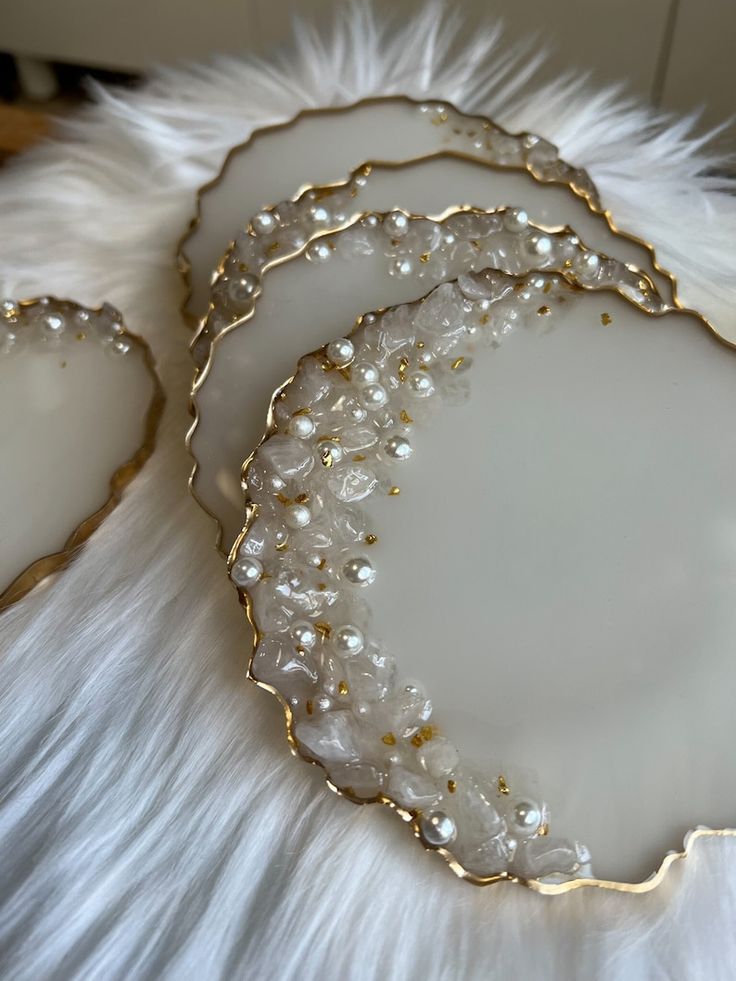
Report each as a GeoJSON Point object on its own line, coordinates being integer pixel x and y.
{"type": "Point", "coordinates": [80, 403]}
{"type": "Point", "coordinates": [374, 260]}
{"type": "Point", "coordinates": [327, 144]}
{"type": "Point", "coordinates": [593, 410]}
{"type": "Point", "coordinates": [431, 187]}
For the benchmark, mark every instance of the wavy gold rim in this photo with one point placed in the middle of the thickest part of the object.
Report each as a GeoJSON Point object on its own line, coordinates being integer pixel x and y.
{"type": "Point", "coordinates": [412, 817]}
{"type": "Point", "coordinates": [41, 568]}
{"type": "Point", "coordinates": [591, 197]}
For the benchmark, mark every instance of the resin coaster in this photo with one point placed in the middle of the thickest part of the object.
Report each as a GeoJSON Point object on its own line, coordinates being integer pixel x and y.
{"type": "Point", "coordinates": [430, 187]}
{"type": "Point", "coordinates": [326, 144]}
{"type": "Point", "coordinates": [519, 493]}
{"type": "Point", "coordinates": [79, 407]}
{"type": "Point", "coordinates": [375, 261]}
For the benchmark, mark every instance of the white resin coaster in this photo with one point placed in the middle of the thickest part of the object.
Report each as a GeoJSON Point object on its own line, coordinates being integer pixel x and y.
{"type": "Point", "coordinates": [325, 145]}
{"type": "Point", "coordinates": [375, 261]}
{"type": "Point", "coordinates": [519, 494]}
{"type": "Point", "coordinates": [79, 407]}
{"type": "Point", "coordinates": [430, 187]}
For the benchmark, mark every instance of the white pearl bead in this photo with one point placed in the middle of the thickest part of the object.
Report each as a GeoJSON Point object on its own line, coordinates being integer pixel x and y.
{"type": "Point", "coordinates": [586, 265]}
{"type": "Point", "coordinates": [319, 214]}
{"type": "Point", "coordinates": [525, 817]}
{"type": "Point", "coordinates": [301, 426]}
{"type": "Point", "coordinates": [330, 453]}
{"type": "Point", "coordinates": [348, 640]}
{"type": "Point", "coordinates": [246, 571]}
{"type": "Point", "coordinates": [402, 267]}
{"type": "Point", "coordinates": [540, 244]}
{"type": "Point", "coordinates": [119, 346]}
{"type": "Point", "coordinates": [263, 223]}
{"type": "Point", "coordinates": [421, 384]}
{"type": "Point", "coordinates": [304, 634]}
{"type": "Point", "coordinates": [358, 413]}
{"type": "Point", "coordinates": [53, 324]}
{"type": "Point", "coordinates": [364, 373]}
{"type": "Point", "coordinates": [437, 828]}
{"type": "Point", "coordinates": [515, 220]}
{"type": "Point", "coordinates": [396, 224]}
{"type": "Point", "coordinates": [359, 571]}
{"type": "Point", "coordinates": [319, 251]}
{"type": "Point", "coordinates": [242, 288]}
{"type": "Point", "coordinates": [374, 396]}
{"type": "Point", "coordinates": [297, 516]}
{"type": "Point", "coordinates": [341, 352]}
{"type": "Point", "coordinates": [399, 448]}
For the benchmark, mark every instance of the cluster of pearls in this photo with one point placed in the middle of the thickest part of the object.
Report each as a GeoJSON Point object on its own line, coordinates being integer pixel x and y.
{"type": "Point", "coordinates": [51, 323]}
{"type": "Point", "coordinates": [341, 427]}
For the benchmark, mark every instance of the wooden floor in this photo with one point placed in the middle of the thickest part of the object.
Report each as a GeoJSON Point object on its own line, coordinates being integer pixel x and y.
{"type": "Point", "coordinates": [20, 127]}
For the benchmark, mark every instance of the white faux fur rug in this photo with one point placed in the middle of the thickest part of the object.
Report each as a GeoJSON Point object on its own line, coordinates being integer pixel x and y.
{"type": "Point", "coordinates": [152, 822]}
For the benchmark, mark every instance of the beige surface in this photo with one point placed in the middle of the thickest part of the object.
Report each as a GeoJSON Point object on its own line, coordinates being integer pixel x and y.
{"type": "Point", "coordinates": [133, 35]}
{"type": "Point", "coordinates": [674, 50]}
{"type": "Point", "coordinates": [701, 72]}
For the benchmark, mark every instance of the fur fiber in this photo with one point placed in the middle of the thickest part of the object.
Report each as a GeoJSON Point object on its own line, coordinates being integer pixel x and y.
{"type": "Point", "coordinates": [152, 823]}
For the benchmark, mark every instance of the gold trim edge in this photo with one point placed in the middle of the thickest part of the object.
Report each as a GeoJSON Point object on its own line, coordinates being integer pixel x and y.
{"type": "Point", "coordinates": [40, 569]}
{"type": "Point", "coordinates": [412, 817]}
